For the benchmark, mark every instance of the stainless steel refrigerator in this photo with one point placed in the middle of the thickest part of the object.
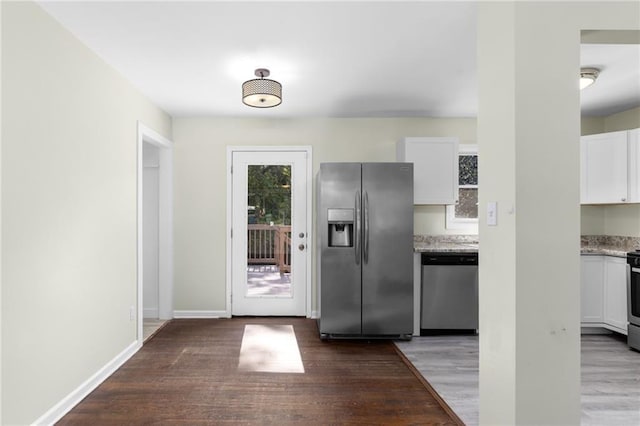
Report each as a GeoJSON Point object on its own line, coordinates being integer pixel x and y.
{"type": "Point", "coordinates": [365, 249]}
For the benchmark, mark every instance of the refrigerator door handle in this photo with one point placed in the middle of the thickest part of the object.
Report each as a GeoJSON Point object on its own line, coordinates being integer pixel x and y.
{"type": "Point", "coordinates": [365, 245]}
{"type": "Point", "coordinates": [356, 232]}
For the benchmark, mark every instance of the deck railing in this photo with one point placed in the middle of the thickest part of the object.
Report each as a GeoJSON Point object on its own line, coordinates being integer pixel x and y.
{"type": "Point", "coordinates": [270, 245]}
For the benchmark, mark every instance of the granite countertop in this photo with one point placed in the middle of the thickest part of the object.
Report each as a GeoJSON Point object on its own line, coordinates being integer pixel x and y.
{"type": "Point", "coordinates": [445, 243]}
{"type": "Point", "coordinates": [603, 251]}
{"type": "Point", "coordinates": [450, 247]}
{"type": "Point", "coordinates": [608, 245]}
{"type": "Point", "coordinates": [602, 245]}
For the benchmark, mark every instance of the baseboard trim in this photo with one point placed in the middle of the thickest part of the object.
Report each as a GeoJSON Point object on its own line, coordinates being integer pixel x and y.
{"type": "Point", "coordinates": [594, 329]}
{"type": "Point", "coordinates": [150, 313]}
{"type": "Point", "coordinates": [591, 328]}
{"type": "Point", "coordinates": [200, 314]}
{"type": "Point", "coordinates": [65, 405]}
{"type": "Point", "coordinates": [315, 315]}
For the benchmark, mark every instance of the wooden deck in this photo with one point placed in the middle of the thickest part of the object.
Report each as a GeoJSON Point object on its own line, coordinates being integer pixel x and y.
{"type": "Point", "coordinates": [267, 280]}
{"type": "Point", "coordinates": [268, 260]}
{"type": "Point", "coordinates": [270, 245]}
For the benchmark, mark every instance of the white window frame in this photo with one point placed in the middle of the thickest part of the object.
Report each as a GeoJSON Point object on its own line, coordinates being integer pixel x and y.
{"type": "Point", "coordinates": [451, 221]}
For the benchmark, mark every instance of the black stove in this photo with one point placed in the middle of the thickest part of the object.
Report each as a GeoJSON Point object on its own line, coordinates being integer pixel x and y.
{"type": "Point", "coordinates": [633, 299]}
{"type": "Point", "coordinates": [633, 258]}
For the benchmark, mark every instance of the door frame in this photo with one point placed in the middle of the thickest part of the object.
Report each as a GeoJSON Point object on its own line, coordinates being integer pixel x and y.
{"type": "Point", "coordinates": [309, 187]}
{"type": "Point", "coordinates": [165, 225]}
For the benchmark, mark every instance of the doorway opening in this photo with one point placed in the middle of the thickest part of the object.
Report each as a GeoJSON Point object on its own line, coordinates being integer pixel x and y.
{"type": "Point", "coordinates": [155, 232]}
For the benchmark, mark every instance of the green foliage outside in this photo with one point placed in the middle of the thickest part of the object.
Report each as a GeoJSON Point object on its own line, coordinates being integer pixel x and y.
{"type": "Point", "coordinates": [269, 189]}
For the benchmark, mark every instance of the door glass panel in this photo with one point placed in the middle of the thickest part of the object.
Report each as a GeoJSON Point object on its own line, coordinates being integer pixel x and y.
{"type": "Point", "coordinates": [269, 231]}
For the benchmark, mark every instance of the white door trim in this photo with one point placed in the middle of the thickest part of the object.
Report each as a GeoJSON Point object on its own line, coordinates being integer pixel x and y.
{"type": "Point", "coordinates": [308, 150]}
{"type": "Point", "coordinates": [165, 231]}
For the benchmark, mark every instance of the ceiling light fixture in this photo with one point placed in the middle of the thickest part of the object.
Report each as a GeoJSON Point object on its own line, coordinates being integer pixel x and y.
{"type": "Point", "coordinates": [588, 77]}
{"type": "Point", "coordinates": [261, 92]}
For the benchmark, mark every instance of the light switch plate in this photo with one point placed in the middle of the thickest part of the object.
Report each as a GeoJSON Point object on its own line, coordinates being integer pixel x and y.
{"type": "Point", "coordinates": [492, 213]}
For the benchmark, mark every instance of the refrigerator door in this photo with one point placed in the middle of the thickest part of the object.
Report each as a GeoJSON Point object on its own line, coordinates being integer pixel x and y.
{"type": "Point", "coordinates": [339, 189]}
{"type": "Point", "coordinates": [387, 269]}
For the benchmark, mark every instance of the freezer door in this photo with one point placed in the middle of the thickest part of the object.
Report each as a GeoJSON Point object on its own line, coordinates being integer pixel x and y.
{"type": "Point", "coordinates": [339, 278]}
{"type": "Point", "coordinates": [387, 269]}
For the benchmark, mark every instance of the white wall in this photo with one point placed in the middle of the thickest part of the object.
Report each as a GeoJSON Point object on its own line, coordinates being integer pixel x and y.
{"type": "Point", "coordinates": [624, 120]}
{"type": "Point", "coordinates": [528, 137]}
{"type": "Point", "coordinates": [1, 80]}
{"type": "Point", "coordinates": [200, 181]}
{"type": "Point", "coordinates": [68, 211]}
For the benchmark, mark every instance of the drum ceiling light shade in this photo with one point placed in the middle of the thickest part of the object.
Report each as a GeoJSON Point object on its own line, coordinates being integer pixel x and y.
{"type": "Point", "coordinates": [262, 92]}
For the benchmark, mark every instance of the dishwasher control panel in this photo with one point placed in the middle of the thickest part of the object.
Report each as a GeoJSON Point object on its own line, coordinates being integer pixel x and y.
{"type": "Point", "coordinates": [446, 258]}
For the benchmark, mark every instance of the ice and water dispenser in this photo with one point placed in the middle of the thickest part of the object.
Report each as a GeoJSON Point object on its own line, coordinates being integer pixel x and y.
{"type": "Point", "coordinates": [340, 227]}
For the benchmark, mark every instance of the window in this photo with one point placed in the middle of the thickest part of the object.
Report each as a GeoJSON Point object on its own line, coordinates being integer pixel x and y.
{"type": "Point", "coordinates": [464, 215]}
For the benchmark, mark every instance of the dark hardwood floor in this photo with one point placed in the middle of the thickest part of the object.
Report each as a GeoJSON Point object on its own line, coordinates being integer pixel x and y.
{"type": "Point", "coordinates": [188, 374]}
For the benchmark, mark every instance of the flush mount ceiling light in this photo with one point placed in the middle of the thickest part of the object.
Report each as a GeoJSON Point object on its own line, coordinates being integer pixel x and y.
{"type": "Point", "coordinates": [262, 92]}
{"type": "Point", "coordinates": [588, 77]}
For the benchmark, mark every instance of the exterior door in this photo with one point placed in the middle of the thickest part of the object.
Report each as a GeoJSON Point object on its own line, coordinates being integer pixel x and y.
{"type": "Point", "coordinates": [269, 233]}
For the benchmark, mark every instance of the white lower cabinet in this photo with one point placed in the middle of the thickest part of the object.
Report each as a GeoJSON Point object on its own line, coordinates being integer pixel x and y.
{"type": "Point", "coordinates": [592, 289]}
{"type": "Point", "coordinates": [603, 295]}
{"type": "Point", "coordinates": [615, 293]}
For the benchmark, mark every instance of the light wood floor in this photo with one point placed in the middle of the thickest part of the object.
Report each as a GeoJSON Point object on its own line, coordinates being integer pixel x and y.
{"type": "Point", "coordinates": [610, 376]}
{"type": "Point", "coordinates": [150, 326]}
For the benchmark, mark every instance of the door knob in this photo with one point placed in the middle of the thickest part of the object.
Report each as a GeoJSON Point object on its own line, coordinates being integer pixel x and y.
{"type": "Point", "coordinates": [301, 235]}
{"type": "Point", "coordinates": [301, 247]}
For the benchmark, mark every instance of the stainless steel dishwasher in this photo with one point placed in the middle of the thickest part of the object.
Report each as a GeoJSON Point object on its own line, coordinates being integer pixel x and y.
{"type": "Point", "coordinates": [449, 293]}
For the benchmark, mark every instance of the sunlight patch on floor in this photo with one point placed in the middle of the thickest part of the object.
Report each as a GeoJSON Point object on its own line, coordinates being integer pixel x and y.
{"type": "Point", "coordinates": [271, 349]}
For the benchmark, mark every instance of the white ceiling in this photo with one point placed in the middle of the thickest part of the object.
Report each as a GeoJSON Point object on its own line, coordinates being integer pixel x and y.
{"type": "Point", "coordinates": [336, 59]}
{"type": "Point", "coordinates": [618, 85]}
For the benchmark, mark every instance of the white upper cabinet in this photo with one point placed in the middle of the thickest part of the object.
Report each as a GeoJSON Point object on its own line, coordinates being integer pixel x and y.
{"type": "Point", "coordinates": [609, 166]}
{"type": "Point", "coordinates": [633, 166]}
{"type": "Point", "coordinates": [435, 168]}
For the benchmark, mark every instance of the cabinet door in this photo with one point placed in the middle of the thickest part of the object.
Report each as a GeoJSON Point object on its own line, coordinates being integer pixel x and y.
{"type": "Point", "coordinates": [591, 288]}
{"type": "Point", "coordinates": [633, 166]}
{"type": "Point", "coordinates": [615, 293]}
{"type": "Point", "coordinates": [603, 168]}
{"type": "Point", "coordinates": [435, 168]}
